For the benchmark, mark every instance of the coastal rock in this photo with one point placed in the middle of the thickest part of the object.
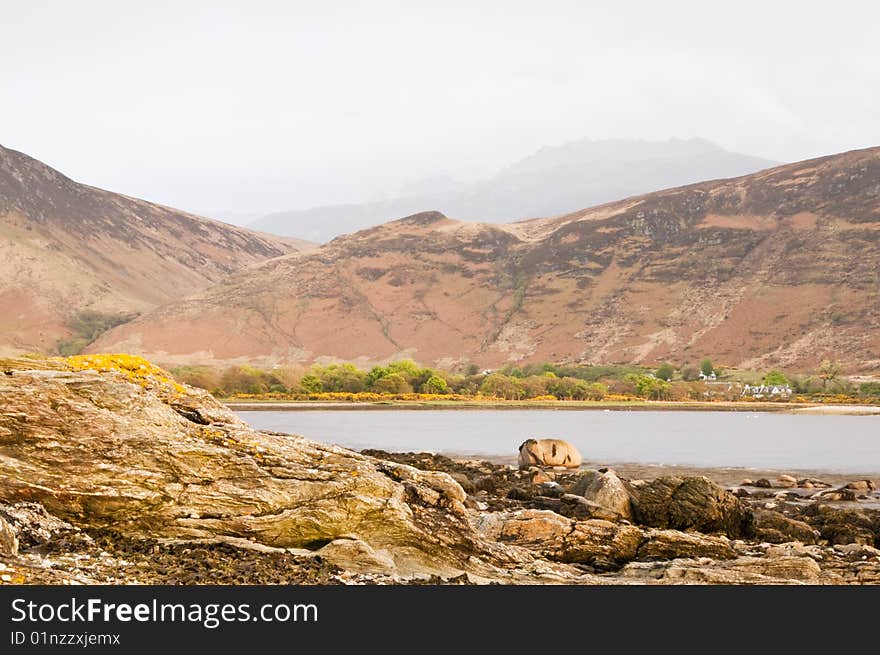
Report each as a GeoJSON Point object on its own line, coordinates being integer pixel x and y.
{"type": "Point", "coordinates": [763, 483]}
{"type": "Point", "coordinates": [32, 524]}
{"type": "Point", "coordinates": [600, 543]}
{"type": "Point", "coordinates": [746, 570]}
{"type": "Point", "coordinates": [578, 507]}
{"type": "Point", "coordinates": [354, 554]}
{"type": "Point", "coordinates": [696, 503]}
{"type": "Point", "coordinates": [551, 489]}
{"type": "Point", "coordinates": [594, 541]}
{"type": "Point", "coordinates": [607, 491]}
{"type": "Point", "coordinates": [584, 480]}
{"type": "Point", "coordinates": [844, 525]}
{"type": "Point", "coordinates": [742, 570]}
{"type": "Point", "coordinates": [795, 549]}
{"type": "Point", "coordinates": [785, 567]}
{"type": "Point", "coordinates": [786, 481]}
{"type": "Point", "coordinates": [540, 476]}
{"type": "Point", "coordinates": [673, 544]}
{"type": "Point", "coordinates": [812, 483]}
{"type": "Point", "coordinates": [534, 528]}
{"type": "Point", "coordinates": [776, 528]}
{"type": "Point", "coordinates": [555, 453]}
{"type": "Point", "coordinates": [8, 539]}
{"type": "Point", "coordinates": [861, 485]}
{"type": "Point", "coordinates": [464, 481]}
{"type": "Point", "coordinates": [843, 494]}
{"type": "Point", "coordinates": [122, 450]}
{"type": "Point", "coordinates": [856, 552]}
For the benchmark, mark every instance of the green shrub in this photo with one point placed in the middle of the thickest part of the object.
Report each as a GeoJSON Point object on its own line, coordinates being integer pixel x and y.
{"type": "Point", "coordinates": [775, 377]}
{"type": "Point", "coordinates": [665, 371]}
{"type": "Point", "coordinates": [435, 384]}
{"type": "Point", "coordinates": [499, 385]}
{"type": "Point", "coordinates": [870, 388]}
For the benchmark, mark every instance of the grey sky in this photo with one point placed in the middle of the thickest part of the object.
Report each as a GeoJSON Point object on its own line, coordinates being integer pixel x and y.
{"type": "Point", "coordinates": [259, 106]}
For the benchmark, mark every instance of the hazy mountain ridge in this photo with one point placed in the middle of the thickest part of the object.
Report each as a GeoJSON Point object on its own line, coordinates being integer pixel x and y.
{"type": "Point", "coordinates": [555, 180]}
{"type": "Point", "coordinates": [778, 268]}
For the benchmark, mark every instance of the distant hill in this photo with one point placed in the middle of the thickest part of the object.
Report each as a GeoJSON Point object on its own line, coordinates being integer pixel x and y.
{"type": "Point", "coordinates": [553, 181]}
{"type": "Point", "coordinates": [74, 258]}
{"type": "Point", "coordinates": [778, 268]}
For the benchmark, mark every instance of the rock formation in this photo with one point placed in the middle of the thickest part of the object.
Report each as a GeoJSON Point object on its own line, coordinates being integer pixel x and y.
{"type": "Point", "coordinates": [128, 449]}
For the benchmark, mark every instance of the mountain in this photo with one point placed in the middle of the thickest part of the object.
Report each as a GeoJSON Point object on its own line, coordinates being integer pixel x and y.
{"type": "Point", "coordinates": [778, 268]}
{"type": "Point", "coordinates": [68, 248]}
{"type": "Point", "coordinates": [553, 181]}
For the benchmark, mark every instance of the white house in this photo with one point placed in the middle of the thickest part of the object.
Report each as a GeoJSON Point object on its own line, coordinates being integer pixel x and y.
{"type": "Point", "coordinates": [762, 390]}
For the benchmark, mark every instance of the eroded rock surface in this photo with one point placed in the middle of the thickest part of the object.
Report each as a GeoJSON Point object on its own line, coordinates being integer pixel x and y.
{"type": "Point", "coordinates": [130, 451]}
{"type": "Point", "coordinates": [692, 503]}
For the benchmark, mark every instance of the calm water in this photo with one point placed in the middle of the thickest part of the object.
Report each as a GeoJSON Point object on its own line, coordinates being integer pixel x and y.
{"type": "Point", "coordinates": [846, 444]}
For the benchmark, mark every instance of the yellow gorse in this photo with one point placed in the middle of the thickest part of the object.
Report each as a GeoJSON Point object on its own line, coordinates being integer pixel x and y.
{"type": "Point", "coordinates": [135, 368]}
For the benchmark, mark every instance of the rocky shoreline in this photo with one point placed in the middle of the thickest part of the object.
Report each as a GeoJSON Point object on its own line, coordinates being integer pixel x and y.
{"type": "Point", "coordinates": [691, 528]}
{"type": "Point", "coordinates": [117, 475]}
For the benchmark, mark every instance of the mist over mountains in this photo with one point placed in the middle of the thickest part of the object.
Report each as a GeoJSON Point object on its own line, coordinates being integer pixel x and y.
{"type": "Point", "coordinates": [555, 180]}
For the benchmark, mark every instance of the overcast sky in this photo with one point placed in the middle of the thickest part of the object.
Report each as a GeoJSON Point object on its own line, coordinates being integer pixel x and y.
{"type": "Point", "coordinates": [259, 106]}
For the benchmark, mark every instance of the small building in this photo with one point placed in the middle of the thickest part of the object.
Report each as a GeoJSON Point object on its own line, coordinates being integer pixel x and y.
{"type": "Point", "coordinates": [767, 391]}
{"type": "Point", "coordinates": [711, 376]}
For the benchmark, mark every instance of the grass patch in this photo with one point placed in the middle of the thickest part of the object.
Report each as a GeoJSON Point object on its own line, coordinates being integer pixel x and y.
{"type": "Point", "coordinates": [87, 326]}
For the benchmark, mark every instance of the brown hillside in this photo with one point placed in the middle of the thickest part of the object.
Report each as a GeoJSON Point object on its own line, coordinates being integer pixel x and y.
{"type": "Point", "coordinates": [777, 268]}
{"type": "Point", "coordinates": [66, 247]}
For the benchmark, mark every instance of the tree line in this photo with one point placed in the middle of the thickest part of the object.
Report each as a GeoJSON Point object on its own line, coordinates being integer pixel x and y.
{"type": "Point", "coordinates": [545, 381]}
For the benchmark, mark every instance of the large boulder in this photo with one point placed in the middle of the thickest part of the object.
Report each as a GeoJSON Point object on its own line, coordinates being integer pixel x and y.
{"type": "Point", "coordinates": [862, 486]}
{"type": "Point", "coordinates": [844, 525]}
{"type": "Point", "coordinates": [601, 543]}
{"type": "Point", "coordinates": [776, 528]}
{"type": "Point", "coordinates": [607, 491]}
{"type": "Point", "coordinates": [111, 442]}
{"type": "Point", "coordinates": [534, 528]}
{"type": "Point", "coordinates": [583, 481]}
{"type": "Point", "coordinates": [691, 503]}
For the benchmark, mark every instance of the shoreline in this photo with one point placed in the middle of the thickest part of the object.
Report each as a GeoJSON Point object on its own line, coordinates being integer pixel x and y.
{"type": "Point", "coordinates": [812, 409]}
{"type": "Point", "coordinates": [726, 476]}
